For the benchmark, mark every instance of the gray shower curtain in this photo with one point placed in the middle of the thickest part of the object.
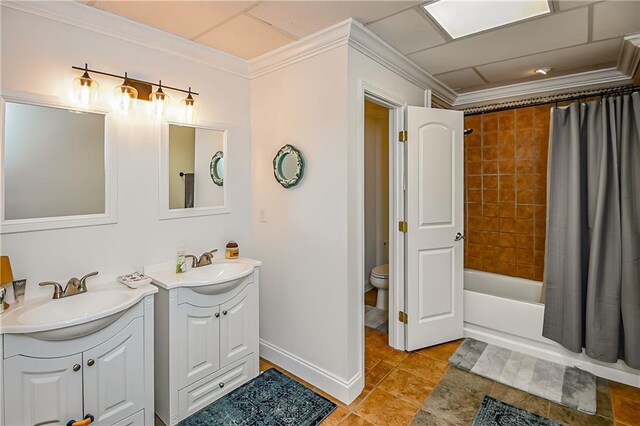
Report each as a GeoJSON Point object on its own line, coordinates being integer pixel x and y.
{"type": "Point", "coordinates": [592, 263]}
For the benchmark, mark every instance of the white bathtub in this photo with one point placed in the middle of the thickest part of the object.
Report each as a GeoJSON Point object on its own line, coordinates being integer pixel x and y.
{"type": "Point", "coordinates": [505, 311]}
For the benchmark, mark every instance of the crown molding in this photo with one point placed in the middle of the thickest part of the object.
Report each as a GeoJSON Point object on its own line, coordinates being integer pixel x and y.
{"type": "Point", "coordinates": [369, 44]}
{"type": "Point", "coordinates": [307, 47]}
{"type": "Point", "coordinates": [357, 36]}
{"type": "Point", "coordinates": [88, 18]}
{"type": "Point", "coordinates": [591, 79]}
{"type": "Point", "coordinates": [629, 59]}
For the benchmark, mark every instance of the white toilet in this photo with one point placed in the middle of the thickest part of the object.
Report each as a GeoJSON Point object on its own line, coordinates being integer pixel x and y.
{"type": "Point", "coordinates": [380, 279]}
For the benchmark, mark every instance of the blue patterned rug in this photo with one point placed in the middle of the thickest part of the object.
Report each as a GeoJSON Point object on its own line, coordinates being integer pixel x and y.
{"type": "Point", "coordinates": [497, 413]}
{"type": "Point", "coordinates": [270, 399]}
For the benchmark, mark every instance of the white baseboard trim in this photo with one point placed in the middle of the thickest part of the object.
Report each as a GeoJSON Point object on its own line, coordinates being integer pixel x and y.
{"type": "Point", "coordinates": [346, 391]}
{"type": "Point", "coordinates": [366, 286]}
{"type": "Point", "coordinates": [617, 372]}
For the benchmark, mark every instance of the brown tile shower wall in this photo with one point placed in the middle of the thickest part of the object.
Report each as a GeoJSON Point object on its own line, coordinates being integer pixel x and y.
{"type": "Point", "coordinates": [505, 191]}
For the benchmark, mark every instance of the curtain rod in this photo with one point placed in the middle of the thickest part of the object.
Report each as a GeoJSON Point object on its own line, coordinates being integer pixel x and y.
{"type": "Point", "coordinates": [549, 100]}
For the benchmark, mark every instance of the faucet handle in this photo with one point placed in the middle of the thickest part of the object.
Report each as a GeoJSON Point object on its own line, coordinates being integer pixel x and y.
{"type": "Point", "coordinates": [57, 288]}
{"type": "Point", "coordinates": [84, 279]}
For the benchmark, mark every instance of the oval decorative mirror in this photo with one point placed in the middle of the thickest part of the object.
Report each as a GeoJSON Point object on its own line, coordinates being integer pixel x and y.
{"type": "Point", "coordinates": [288, 166]}
{"type": "Point", "coordinates": [216, 168]}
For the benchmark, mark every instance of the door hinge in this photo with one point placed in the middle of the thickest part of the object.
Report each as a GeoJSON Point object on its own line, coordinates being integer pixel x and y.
{"type": "Point", "coordinates": [402, 226]}
{"type": "Point", "coordinates": [402, 136]}
{"type": "Point", "coordinates": [403, 317]}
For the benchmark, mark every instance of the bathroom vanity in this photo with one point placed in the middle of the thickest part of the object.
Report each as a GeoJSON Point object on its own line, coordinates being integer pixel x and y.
{"type": "Point", "coordinates": [89, 354]}
{"type": "Point", "coordinates": [206, 334]}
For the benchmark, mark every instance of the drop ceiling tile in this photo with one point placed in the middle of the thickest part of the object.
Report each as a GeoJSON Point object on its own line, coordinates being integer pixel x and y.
{"type": "Point", "coordinates": [408, 31]}
{"type": "Point", "coordinates": [538, 35]}
{"type": "Point", "coordinates": [615, 18]}
{"type": "Point", "coordinates": [461, 79]}
{"type": "Point", "coordinates": [562, 60]}
{"type": "Point", "coordinates": [572, 4]}
{"type": "Point", "coordinates": [245, 37]}
{"type": "Point", "coordinates": [184, 18]}
{"type": "Point", "coordinates": [302, 18]}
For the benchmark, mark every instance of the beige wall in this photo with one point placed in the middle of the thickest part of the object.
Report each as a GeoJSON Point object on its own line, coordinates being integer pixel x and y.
{"type": "Point", "coordinates": [207, 193]}
{"type": "Point", "coordinates": [182, 141]}
{"type": "Point", "coordinates": [376, 186]}
{"type": "Point", "coordinates": [54, 162]}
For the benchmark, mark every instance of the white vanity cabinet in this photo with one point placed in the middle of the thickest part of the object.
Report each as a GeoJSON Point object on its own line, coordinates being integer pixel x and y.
{"type": "Point", "coordinates": [108, 374]}
{"type": "Point", "coordinates": [206, 341]}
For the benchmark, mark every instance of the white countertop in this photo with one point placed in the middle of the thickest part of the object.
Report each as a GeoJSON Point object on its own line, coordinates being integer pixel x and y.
{"type": "Point", "coordinates": [71, 310]}
{"type": "Point", "coordinates": [164, 274]}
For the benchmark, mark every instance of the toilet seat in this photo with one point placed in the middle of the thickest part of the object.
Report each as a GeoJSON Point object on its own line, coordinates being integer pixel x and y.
{"type": "Point", "coordinates": [381, 271]}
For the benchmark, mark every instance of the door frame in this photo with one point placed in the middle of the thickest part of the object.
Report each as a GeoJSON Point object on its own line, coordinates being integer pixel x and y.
{"type": "Point", "coordinates": [397, 183]}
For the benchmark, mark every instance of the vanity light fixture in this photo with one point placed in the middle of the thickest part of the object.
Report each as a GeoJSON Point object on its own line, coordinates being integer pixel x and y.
{"type": "Point", "coordinates": [543, 70]}
{"type": "Point", "coordinates": [189, 108]}
{"type": "Point", "coordinates": [84, 89]}
{"type": "Point", "coordinates": [125, 96]}
{"type": "Point", "coordinates": [159, 101]}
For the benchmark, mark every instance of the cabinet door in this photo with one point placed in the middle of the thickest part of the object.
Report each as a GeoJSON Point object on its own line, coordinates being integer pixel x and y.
{"type": "Point", "coordinates": [114, 375]}
{"type": "Point", "coordinates": [198, 341]}
{"type": "Point", "coordinates": [42, 391]}
{"type": "Point", "coordinates": [238, 327]}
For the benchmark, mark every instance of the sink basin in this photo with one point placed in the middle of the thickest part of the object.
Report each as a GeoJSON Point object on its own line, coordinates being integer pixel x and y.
{"type": "Point", "coordinates": [218, 277]}
{"type": "Point", "coordinates": [74, 316]}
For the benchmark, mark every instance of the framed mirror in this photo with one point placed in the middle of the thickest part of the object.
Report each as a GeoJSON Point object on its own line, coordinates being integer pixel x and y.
{"type": "Point", "coordinates": [58, 167]}
{"type": "Point", "coordinates": [192, 170]}
{"type": "Point", "coordinates": [288, 166]}
{"type": "Point", "coordinates": [216, 168]}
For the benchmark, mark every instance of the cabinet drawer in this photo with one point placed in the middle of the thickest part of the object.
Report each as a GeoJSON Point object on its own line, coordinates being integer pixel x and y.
{"type": "Point", "coordinates": [205, 391]}
{"type": "Point", "coordinates": [136, 419]}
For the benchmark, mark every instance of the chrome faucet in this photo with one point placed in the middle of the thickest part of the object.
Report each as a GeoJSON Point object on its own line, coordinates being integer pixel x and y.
{"type": "Point", "coordinates": [205, 259]}
{"type": "Point", "coordinates": [73, 287]}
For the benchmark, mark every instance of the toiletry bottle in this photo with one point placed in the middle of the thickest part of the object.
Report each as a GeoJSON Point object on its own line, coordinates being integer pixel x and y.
{"type": "Point", "coordinates": [232, 251]}
{"type": "Point", "coordinates": [181, 264]}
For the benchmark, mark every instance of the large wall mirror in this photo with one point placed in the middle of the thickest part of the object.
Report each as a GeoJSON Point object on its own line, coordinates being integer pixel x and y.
{"type": "Point", "coordinates": [192, 181]}
{"type": "Point", "coordinates": [55, 167]}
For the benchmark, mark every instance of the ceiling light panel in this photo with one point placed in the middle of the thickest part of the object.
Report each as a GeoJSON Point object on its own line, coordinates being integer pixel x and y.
{"type": "Point", "coordinates": [460, 18]}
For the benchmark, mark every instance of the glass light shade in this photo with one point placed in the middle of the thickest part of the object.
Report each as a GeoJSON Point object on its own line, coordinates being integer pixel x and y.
{"type": "Point", "coordinates": [124, 97]}
{"type": "Point", "coordinates": [84, 90]}
{"type": "Point", "coordinates": [159, 102]}
{"type": "Point", "coordinates": [189, 109]}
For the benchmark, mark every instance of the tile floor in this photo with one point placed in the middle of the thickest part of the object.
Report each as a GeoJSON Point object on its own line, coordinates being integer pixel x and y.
{"type": "Point", "coordinates": [420, 387]}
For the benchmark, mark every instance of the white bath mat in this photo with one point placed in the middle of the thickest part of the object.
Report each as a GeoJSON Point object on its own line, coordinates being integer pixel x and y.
{"type": "Point", "coordinates": [568, 386]}
{"type": "Point", "coordinates": [376, 318]}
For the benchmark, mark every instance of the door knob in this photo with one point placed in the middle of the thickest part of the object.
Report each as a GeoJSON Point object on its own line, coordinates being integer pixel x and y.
{"type": "Point", "coordinates": [76, 367]}
{"type": "Point", "coordinates": [221, 385]}
{"type": "Point", "coordinates": [217, 314]}
{"type": "Point", "coordinates": [224, 312]}
{"type": "Point", "coordinates": [458, 237]}
{"type": "Point", "coordinates": [90, 362]}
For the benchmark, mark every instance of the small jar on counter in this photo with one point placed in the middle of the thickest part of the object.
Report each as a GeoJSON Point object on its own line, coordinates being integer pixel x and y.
{"type": "Point", "coordinates": [232, 251]}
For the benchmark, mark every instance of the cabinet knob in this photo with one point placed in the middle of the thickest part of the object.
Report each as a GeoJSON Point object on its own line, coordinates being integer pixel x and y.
{"type": "Point", "coordinates": [224, 312]}
{"type": "Point", "coordinates": [217, 314]}
{"type": "Point", "coordinates": [221, 385]}
{"type": "Point", "coordinates": [90, 362]}
{"type": "Point", "coordinates": [76, 367]}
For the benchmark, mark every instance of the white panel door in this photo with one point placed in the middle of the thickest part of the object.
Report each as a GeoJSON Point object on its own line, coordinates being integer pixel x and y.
{"type": "Point", "coordinates": [198, 342]}
{"type": "Point", "coordinates": [238, 326]}
{"type": "Point", "coordinates": [114, 376]}
{"type": "Point", "coordinates": [434, 216]}
{"type": "Point", "coordinates": [42, 391]}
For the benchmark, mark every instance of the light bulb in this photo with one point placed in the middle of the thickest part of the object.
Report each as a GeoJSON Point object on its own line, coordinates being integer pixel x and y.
{"type": "Point", "coordinates": [189, 108]}
{"type": "Point", "coordinates": [84, 89]}
{"type": "Point", "coordinates": [159, 101]}
{"type": "Point", "coordinates": [125, 96]}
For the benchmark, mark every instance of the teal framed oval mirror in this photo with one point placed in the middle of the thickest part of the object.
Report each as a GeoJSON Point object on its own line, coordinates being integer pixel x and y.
{"type": "Point", "coordinates": [216, 168]}
{"type": "Point", "coordinates": [288, 166]}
